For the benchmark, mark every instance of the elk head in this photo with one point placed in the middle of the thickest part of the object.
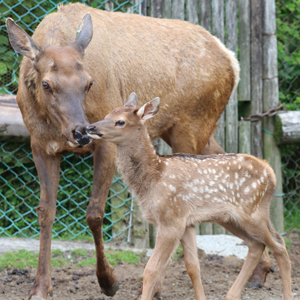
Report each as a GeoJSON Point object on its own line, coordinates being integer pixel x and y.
{"type": "Point", "coordinates": [121, 124]}
{"type": "Point", "coordinates": [61, 83]}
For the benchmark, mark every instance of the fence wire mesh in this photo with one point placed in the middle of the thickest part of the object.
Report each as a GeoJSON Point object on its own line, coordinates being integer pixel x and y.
{"type": "Point", "coordinates": [288, 28]}
{"type": "Point", "coordinates": [19, 197]}
{"type": "Point", "coordinates": [19, 185]}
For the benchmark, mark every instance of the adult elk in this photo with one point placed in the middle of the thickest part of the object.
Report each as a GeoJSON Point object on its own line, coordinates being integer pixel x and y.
{"type": "Point", "coordinates": [177, 191]}
{"type": "Point", "coordinates": [68, 80]}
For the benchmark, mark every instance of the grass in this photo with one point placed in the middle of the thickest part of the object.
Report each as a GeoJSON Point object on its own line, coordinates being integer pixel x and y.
{"type": "Point", "coordinates": [114, 258]}
{"type": "Point", "coordinates": [79, 252]}
{"type": "Point", "coordinates": [179, 252]}
{"type": "Point", "coordinates": [23, 259]}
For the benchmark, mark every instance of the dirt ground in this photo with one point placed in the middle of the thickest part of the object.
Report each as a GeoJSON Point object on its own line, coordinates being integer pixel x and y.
{"type": "Point", "coordinates": [218, 274]}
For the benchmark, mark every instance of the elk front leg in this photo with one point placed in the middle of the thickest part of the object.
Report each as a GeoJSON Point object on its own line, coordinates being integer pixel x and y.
{"type": "Point", "coordinates": [48, 170]}
{"type": "Point", "coordinates": [104, 170]}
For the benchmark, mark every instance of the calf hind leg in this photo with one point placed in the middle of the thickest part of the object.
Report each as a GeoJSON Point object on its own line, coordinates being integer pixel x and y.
{"type": "Point", "coordinates": [276, 244]}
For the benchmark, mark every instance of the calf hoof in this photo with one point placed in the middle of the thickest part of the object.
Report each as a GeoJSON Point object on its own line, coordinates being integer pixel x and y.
{"type": "Point", "coordinates": [112, 290]}
{"type": "Point", "coordinates": [254, 285]}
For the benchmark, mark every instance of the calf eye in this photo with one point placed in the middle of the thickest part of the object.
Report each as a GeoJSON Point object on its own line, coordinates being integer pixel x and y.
{"type": "Point", "coordinates": [46, 86]}
{"type": "Point", "coordinates": [119, 123]}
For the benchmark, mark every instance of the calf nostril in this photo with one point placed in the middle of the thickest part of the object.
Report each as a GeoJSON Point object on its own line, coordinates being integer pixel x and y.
{"type": "Point", "coordinates": [90, 128]}
{"type": "Point", "coordinates": [77, 135]}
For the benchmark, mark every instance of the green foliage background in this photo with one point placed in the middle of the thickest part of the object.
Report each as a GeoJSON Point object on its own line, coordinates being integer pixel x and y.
{"type": "Point", "coordinates": [288, 36]}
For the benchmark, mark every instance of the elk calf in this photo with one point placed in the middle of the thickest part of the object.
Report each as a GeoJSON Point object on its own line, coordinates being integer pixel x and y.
{"type": "Point", "coordinates": [177, 191]}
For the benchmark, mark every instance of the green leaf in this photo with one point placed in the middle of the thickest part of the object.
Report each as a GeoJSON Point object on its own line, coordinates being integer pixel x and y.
{"type": "Point", "coordinates": [3, 68]}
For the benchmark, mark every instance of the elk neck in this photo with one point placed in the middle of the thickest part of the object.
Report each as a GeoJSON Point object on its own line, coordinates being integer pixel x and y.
{"type": "Point", "coordinates": [138, 163]}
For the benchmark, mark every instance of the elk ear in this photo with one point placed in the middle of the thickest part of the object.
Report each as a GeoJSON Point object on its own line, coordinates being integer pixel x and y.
{"type": "Point", "coordinates": [21, 41]}
{"type": "Point", "coordinates": [132, 101]}
{"type": "Point", "coordinates": [149, 109]}
{"type": "Point", "coordinates": [84, 34]}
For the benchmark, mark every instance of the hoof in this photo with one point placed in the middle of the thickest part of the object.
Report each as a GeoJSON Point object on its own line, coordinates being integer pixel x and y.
{"type": "Point", "coordinates": [254, 285]}
{"type": "Point", "coordinates": [110, 291]}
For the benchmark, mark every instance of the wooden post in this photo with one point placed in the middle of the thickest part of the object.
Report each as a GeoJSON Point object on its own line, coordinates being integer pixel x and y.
{"type": "Point", "coordinates": [205, 21]}
{"type": "Point", "coordinates": [167, 9]}
{"type": "Point", "coordinates": [256, 74]}
{"type": "Point", "coordinates": [140, 229]}
{"type": "Point", "coordinates": [192, 11]}
{"type": "Point", "coordinates": [218, 31]}
{"type": "Point", "coordinates": [245, 137]}
{"type": "Point", "coordinates": [270, 100]}
{"type": "Point", "coordinates": [205, 14]}
{"type": "Point", "coordinates": [118, 214]}
{"type": "Point", "coordinates": [178, 9]}
{"type": "Point", "coordinates": [244, 44]}
{"type": "Point", "coordinates": [231, 142]}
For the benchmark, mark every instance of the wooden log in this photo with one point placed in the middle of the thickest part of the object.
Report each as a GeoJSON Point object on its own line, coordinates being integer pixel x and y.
{"type": "Point", "coordinates": [12, 126]}
{"type": "Point", "coordinates": [178, 9]}
{"type": "Point", "coordinates": [167, 9]}
{"type": "Point", "coordinates": [256, 74]}
{"type": "Point", "coordinates": [231, 141]}
{"type": "Point", "coordinates": [245, 137]}
{"type": "Point", "coordinates": [287, 129]}
{"type": "Point", "coordinates": [244, 89]}
{"type": "Point", "coordinates": [270, 100]}
{"type": "Point", "coordinates": [192, 11]}
{"type": "Point", "coordinates": [205, 14]}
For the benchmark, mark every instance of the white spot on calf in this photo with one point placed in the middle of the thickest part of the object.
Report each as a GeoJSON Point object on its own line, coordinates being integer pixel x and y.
{"type": "Point", "coordinates": [172, 188]}
{"type": "Point", "coordinates": [246, 190]}
{"type": "Point", "coordinates": [211, 183]}
{"type": "Point", "coordinates": [236, 175]}
{"type": "Point", "coordinates": [254, 185]}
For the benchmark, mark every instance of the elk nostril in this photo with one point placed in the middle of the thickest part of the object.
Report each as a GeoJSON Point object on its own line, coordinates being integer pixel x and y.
{"type": "Point", "coordinates": [90, 129]}
{"type": "Point", "coordinates": [77, 135]}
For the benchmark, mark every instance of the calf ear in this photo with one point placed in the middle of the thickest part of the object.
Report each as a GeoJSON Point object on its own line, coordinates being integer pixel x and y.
{"type": "Point", "coordinates": [149, 110]}
{"type": "Point", "coordinates": [132, 101]}
{"type": "Point", "coordinates": [21, 41]}
{"type": "Point", "coordinates": [84, 34]}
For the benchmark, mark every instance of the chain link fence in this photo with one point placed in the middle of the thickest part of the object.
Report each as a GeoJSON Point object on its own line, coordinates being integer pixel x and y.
{"type": "Point", "coordinates": [288, 28]}
{"type": "Point", "coordinates": [19, 185]}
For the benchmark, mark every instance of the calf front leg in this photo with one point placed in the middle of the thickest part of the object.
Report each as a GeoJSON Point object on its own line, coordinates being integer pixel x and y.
{"type": "Point", "coordinates": [48, 170]}
{"type": "Point", "coordinates": [104, 169]}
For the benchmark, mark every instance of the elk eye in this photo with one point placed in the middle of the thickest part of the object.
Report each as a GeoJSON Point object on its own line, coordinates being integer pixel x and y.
{"type": "Point", "coordinates": [119, 123]}
{"type": "Point", "coordinates": [91, 83]}
{"type": "Point", "coordinates": [46, 86]}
